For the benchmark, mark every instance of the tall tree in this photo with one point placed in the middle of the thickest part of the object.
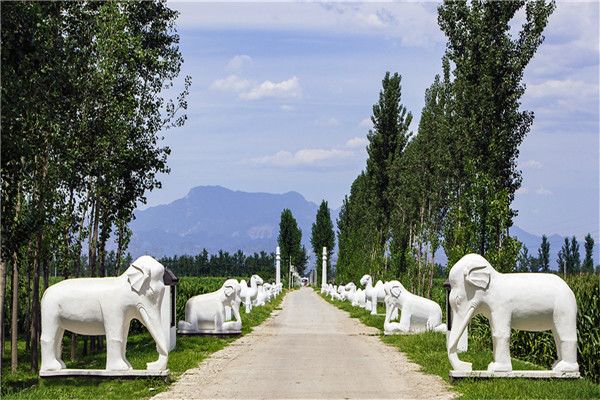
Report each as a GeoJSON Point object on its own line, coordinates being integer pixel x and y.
{"type": "Point", "coordinates": [289, 240]}
{"type": "Point", "coordinates": [544, 254]}
{"type": "Point", "coordinates": [564, 259]}
{"type": "Point", "coordinates": [487, 123]}
{"type": "Point", "coordinates": [588, 261]}
{"type": "Point", "coordinates": [575, 256]}
{"type": "Point", "coordinates": [322, 235]}
{"type": "Point", "coordinates": [387, 140]}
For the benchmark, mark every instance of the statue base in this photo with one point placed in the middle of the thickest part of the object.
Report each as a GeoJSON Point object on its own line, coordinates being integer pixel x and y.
{"type": "Point", "coordinates": [102, 373]}
{"type": "Point", "coordinates": [207, 332]}
{"type": "Point", "coordinates": [528, 374]}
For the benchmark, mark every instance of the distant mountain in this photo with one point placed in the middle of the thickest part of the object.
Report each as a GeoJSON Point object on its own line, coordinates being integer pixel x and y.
{"type": "Point", "coordinates": [217, 218]}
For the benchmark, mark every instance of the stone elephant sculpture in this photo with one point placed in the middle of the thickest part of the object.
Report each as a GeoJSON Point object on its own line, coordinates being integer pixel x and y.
{"type": "Point", "coordinates": [525, 301]}
{"type": "Point", "coordinates": [418, 314]}
{"type": "Point", "coordinates": [206, 312]}
{"type": "Point", "coordinates": [105, 306]}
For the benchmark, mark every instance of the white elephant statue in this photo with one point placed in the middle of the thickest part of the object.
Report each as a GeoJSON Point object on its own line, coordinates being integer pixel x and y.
{"type": "Point", "coordinates": [374, 294]}
{"type": "Point", "coordinates": [249, 293]}
{"type": "Point", "coordinates": [105, 306]}
{"type": "Point", "coordinates": [206, 313]}
{"type": "Point", "coordinates": [418, 314]}
{"type": "Point", "coordinates": [525, 301]}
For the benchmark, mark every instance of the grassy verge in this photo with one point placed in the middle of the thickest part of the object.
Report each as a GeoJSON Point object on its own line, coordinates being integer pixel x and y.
{"type": "Point", "coordinates": [190, 351]}
{"type": "Point", "coordinates": [429, 351]}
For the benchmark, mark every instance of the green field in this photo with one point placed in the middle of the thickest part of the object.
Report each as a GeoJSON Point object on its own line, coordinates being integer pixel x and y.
{"type": "Point", "coordinates": [140, 349]}
{"type": "Point", "coordinates": [429, 351]}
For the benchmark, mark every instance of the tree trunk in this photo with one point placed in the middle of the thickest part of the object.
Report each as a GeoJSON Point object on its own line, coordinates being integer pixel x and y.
{"type": "Point", "coordinates": [36, 318]}
{"type": "Point", "coordinates": [15, 315]}
{"type": "Point", "coordinates": [119, 250]}
{"type": "Point", "coordinates": [2, 294]}
{"type": "Point", "coordinates": [28, 313]}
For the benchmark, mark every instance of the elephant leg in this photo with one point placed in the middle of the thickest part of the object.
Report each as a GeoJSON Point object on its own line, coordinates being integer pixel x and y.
{"type": "Point", "coordinates": [500, 327]}
{"type": "Point", "coordinates": [58, 350]}
{"type": "Point", "coordinates": [405, 316]}
{"type": "Point", "coordinates": [116, 339]}
{"type": "Point", "coordinates": [50, 342]}
{"type": "Point", "coordinates": [566, 348]}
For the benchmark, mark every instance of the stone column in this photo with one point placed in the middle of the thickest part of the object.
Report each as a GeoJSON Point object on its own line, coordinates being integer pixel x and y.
{"type": "Point", "coordinates": [324, 272]}
{"type": "Point", "coordinates": [277, 266]}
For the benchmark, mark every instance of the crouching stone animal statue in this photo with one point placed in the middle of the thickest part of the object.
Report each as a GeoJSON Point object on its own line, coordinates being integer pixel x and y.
{"type": "Point", "coordinates": [417, 314]}
{"type": "Point", "coordinates": [206, 313]}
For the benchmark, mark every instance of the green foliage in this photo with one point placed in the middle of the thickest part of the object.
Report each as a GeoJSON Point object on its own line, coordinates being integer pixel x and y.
{"type": "Point", "coordinates": [588, 261]}
{"type": "Point", "coordinates": [322, 235]}
{"type": "Point", "coordinates": [544, 255]}
{"type": "Point", "coordinates": [222, 264]}
{"type": "Point", "coordinates": [289, 240]}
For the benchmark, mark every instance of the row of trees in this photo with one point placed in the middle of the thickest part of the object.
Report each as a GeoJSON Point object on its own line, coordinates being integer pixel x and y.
{"type": "Point", "coordinates": [569, 259]}
{"type": "Point", "coordinates": [452, 184]}
{"type": "Point", "coordinates": [83, 117]}
{"type": "Point", "coordinates": [224, 264]}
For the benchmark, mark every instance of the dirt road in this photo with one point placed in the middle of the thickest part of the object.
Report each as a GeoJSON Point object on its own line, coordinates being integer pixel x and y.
{"type": "Point", "coordinates": [309, 349]}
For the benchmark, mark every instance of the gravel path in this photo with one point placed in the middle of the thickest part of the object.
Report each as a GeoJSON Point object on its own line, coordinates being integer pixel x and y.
{"type": "Point", "coordinates": [309, 349]}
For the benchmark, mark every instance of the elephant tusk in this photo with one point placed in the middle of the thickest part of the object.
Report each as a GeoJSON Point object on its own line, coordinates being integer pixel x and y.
{"type": "Point", "coordinates": [455, 338]}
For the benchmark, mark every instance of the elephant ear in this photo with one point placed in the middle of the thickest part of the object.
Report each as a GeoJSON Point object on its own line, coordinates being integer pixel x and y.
{"type": "Point", "coordinates": [395, 291]}
{"type": "Point", "coordinates": [478, 276]}
{"type": "Point", "coordinates": [136, 277]}
{"type": "Point", "coordinates": [228, 290]}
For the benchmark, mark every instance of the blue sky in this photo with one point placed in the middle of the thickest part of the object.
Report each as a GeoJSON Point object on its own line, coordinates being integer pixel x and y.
{"type": "Point", "coordinates": [282, 94]}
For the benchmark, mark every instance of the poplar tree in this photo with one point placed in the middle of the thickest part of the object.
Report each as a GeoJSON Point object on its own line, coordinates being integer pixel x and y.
{"type": "Point", "coordinates": [544, 254]}
{"type": "Point", "coordinates": [289, 240]}
{"type": "Point", "coordinates": [322, 235]}
{"type": "Point", "coordinates": [588, 261]}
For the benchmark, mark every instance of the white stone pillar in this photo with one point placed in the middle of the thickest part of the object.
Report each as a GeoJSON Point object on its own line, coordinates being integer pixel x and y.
{"type": "Point", "coordinates": [324, 272]}
{"type": "Point", "coordinates": [277, 266]}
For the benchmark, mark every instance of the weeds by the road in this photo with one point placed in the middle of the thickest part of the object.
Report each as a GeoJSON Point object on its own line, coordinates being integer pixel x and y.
{"type": "Point", "coordinates": [429, 351]}
{"type": "Point", "coordinates": [190, 351]}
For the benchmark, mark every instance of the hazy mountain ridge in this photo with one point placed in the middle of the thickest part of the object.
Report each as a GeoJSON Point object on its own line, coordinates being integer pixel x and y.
{"type": "Point", "coordinates": [217, 218]}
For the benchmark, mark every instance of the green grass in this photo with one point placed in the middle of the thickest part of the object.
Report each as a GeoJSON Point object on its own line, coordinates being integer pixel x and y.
{"type": "Point", "coordinates": [190, 351]}
{"type": "Point", "coordinates": [429, 351]}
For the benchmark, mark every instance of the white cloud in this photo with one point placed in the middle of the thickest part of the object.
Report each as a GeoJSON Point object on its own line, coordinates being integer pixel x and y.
{"type": "Point", "coordinates": [414, 24]}
{"type": "Point", "coordinates": [285, 89]}
{"type": "Point", "coordinates": [366, 122]}
{"type": "Point", "coordinates": [357, 142]}
{"type": "Point", "coordinates": [542, 191]}
{"type": "Point", "coordinates": [522, 190]}
{"type": "Point", "coordinates": [303, 157]}
{"type": "Point", "coordinates": [232, 83]}
{"type": "Point", "coordinates": [238, 62]}
{"type": "Point", "coordinates": [286, 108]}
{"type": "Point", "coordinates": [531, 164]}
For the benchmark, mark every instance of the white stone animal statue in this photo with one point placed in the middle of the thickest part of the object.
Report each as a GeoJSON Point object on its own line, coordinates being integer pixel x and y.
{"type": "Point", "coordinates": [524, 301]}
{"type": "Point", "coordinates": [359, 298]}
{"type": "Point", "coordinates": [263, 294]}
{"type": "Point", "coordinates": [105, 306]}
{"type": "Point", "coordinates": [249, 294]}
{"type": "Point", "coordinates": [206, 313]}
{"type": "Point", "coordinates": [374, 294]}
{"type": "Point", "coordinates": [418, 314]}
{"type": "Point", "coordinates": [349, 292]}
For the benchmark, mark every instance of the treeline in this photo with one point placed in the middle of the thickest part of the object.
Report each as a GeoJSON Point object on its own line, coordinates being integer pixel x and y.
{"type": "Point", "coordinates": [452, 183]}
{"type": "Point", "coordinates": [569, 257]}
{"type": "Point", "coordinates": [83, 117]}
{"type": "Point", "coordinates": [223, 264]}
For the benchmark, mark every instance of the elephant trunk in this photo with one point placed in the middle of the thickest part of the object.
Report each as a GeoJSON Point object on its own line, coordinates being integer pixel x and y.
{"type": "Point", "coordinates": [152, 322]}
{"type": "Point", "coordinates": [458, 328]}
